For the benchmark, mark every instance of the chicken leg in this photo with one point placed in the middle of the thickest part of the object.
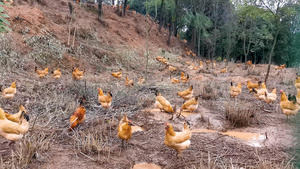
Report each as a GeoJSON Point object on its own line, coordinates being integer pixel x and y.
{"type": "Point", "coordinates": [122, 144]}
{"type": "Point", "coordinates": [172, 118]}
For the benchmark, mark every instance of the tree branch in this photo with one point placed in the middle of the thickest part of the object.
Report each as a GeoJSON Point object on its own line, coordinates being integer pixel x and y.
{"type": "Point", "coordinates": [267, 7]}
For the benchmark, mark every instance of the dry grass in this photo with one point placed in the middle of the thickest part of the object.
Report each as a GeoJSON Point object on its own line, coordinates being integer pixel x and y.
{"type": "Point", "coordinates": [265, 164]}
{"type": "Point", "coordinates": [46, 49]}
{"type": "Point", "coordinates": [11, 60]}
{"type": "Point", "coordinates": [93, 141]}
{"type": "Point", "coordinates": [209, 91]}
{"type": "Point", "coordinates": [51, 102]}
{"type": "Point", "coordinates": [31, 148]}
{"type": "Point", "coordinates": [239, 113]}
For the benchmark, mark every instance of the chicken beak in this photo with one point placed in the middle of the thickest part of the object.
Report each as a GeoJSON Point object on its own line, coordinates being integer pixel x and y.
{"type": "Point", "coordinates": [130, 123]}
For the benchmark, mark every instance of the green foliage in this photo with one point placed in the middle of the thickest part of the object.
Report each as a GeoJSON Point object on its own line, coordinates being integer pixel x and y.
{"type": "Point", "coordinates": [218, 28]}
{"type": "Point", "coordinates": [3, 22]}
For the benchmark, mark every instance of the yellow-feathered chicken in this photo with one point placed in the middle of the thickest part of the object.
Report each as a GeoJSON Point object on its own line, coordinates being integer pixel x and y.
{"type": "Point", "coordinates": [261, 93]}
{"type": "Point", "coordinates": [186, 94]}
{"type": "Point", "coordinates": [249, 63]}
{"type": "Point", "coordinates": [191, 66]}
{"type": "Point", "coordinates": [223, 70]}
{"type": "Point", "coordinates": [42, 73]}
{"type": "Point", "coordinates": [141, 81]}
{"type": "Point", "coordinates": [235, 90]}
{"type": "Point", "coordinates": [117, 74]}
{"type": "Point", "coordinates": [124, 130]}
{"type": "Point", "coordinates": [128, 83]}
{"type": "Point", "coordinates": [188, 63]}
{"type": "Point", "coordinates": [56, 73]}
{"type": "Point", "coordinates": [11, 130]}
{"type": "Point", "coordinates": [178, 140]}
{"type": "Point", "coordinates": [9, 92]}
{"type": "Point", "coordinates": [163, 104]}
{"type": "Point", "coordinates": [77, 74]}
{"type": "Point", "coordinates": [214, 66]}
{"type": "Point", "coordinates": [270, 97]}
{"type": "Point", "coordinates": [171, 68]}
{"type": "Point", "coordinates": [280, 67]}
{"type": "Point", "coordinates": [104, 100]}
{"type": "Point", "coordinates": [16, 117]}
{"type": "Point", "coordinates": [174, 80]}
{"type": "Point", "coordinates": [251, 85]}
{"type": "Point", "coordinates": [190, 105]}
{"type": "Point", "coordinates": [164, 61]}
{"type": "Point", "coordinates": [196, 68]}
{"type": "Point", "coordinates": [201, 65]}
{"type": "Point", "coordinates": [159, 58]}
{"type": "Point", "coordinates": [288, 106]}
{"type": "Point", "coordinates": [184, 78]}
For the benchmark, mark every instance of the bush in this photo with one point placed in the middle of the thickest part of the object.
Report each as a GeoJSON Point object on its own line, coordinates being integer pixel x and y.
{"type": "Point", "coordinates": [45, 49]}
{"type": "Point", "coordinates": [209, 91]}
{"type": "Point", "coordinates": [239, 114]}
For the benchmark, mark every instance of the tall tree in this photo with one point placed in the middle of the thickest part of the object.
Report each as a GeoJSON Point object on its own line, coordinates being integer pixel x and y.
{"type": "Point", "coordinates": [124, 7]}
{"type": "Point", "coordinates": [276, 8]}
{"type": "Point", "coordinates": [100, 12]}
{"type": "Point", "coordinates": [161, 14]}
{"type": "Point", "coordinates": [176, 18]}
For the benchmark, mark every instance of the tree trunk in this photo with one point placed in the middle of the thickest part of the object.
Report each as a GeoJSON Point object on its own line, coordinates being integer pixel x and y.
{"type": "Point", "coordinates": [70, 8]}
{"type": "Point", "coordinates": [246, 50]}
{"type": "Point", "coordinates": [176, 18]}
{"type": "Point", "coordinates": [199, 38]}
{"type": "Point", "coordinates": [215, 28]}
{"type": "Point", "coordinates": [193, 40]}
{"type": "Point", "coordinates": [147, 46]}
{"type": "Point", "coordinates": [124, 7]}
{"type": "Point", "coordinates": [99, 8]}
{"type": "Point", "coordinates": [272, 53]}
{"type": "Point", "coordinates": [161, 15]}
{"type": "Point", "coordinates": [170, 33]}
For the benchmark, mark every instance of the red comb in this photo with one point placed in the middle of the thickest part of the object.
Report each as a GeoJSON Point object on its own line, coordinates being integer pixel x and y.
{"type": "Point", "coordinates": [166, 123]}
{"type": "Point", "coordinates": [130, 121]}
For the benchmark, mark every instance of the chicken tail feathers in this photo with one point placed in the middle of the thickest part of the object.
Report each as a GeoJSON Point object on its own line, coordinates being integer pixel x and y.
{"type": "Point", "coordinates": [188, 123]}
{"type": "Point", "coordinates": [294, 99]}
{"type": "Point", "coordinates": [290, 97]}
{"type": "Point", "coordinates": [25, 115]}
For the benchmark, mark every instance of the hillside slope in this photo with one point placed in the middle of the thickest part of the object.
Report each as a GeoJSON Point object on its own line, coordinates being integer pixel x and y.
{"type": "Point", "coordinates": [103, 47]}
{"type": "Point", "coordinates": [100, 38]}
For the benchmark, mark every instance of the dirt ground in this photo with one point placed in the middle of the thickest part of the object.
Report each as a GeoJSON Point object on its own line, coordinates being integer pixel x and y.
{"type": "Point", "coordinates": [148, 146]}
{"type": "Point", "coordinates": [95, 144]}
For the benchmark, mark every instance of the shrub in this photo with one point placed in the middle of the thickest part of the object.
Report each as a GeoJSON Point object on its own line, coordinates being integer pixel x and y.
{"type": "Point", "coordinates": [239, 114]}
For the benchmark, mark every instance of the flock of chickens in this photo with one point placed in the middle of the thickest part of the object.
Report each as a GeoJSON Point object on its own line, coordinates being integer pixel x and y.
{"type": "Point", "coordinates": [289, 105]}
{"type": "Point", "coordinates": [13, 126]}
